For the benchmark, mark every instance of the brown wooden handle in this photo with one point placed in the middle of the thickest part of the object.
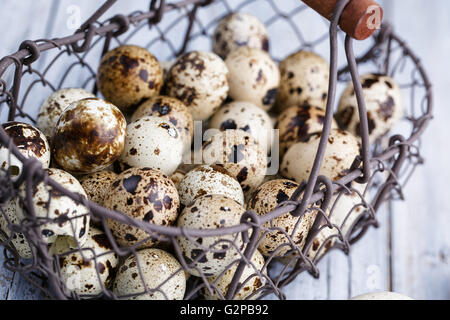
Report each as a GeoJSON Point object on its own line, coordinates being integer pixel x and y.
{"type": "Point", "coordinates": [360, 19]}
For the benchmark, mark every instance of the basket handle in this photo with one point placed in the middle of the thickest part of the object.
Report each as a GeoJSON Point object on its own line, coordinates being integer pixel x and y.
{"type": "Point", "coordinates": [360, 19]}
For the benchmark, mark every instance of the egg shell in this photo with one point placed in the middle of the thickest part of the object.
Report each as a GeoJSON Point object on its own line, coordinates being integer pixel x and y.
{"type": "Point", "coordinates": [152, 142]}
{"type": "Point", "coordinates": [239, 29]}
{"type": "Point", "coordinates": [304, 80]}
{"type": "Point", "coordinates": [254, 77]}
{"type": "Point", "coordinates": [165, 66]}
{"type": "Point", "coordinates": [97, 185]}
{"type": "Point", "coordinates": [89, 136]}
{"type": "Point", "coordinates": [342, 149]}
{"type": "Point", "coordinates": [210, 255]}
{"type": "Point", "coordinates": [169, 109]}
{"type": "Point", "coordinates": [53, 106]}
{"type": "Point", "coordinates": [209, 180]}
{"type": "Point", "coordinates": [146, 195]}
{"type": "Point", "coordinates": [30, 141]}
{"type": "Point", "coordinates": [160, 271]}
{"type": "Point", "coordinates": [129, 74]}
{"type": "Point", "coordinates": [79, 268]}
{"type": "Point", "coordinates": [382, 295]}
{"type": "Point", "coordinates": [275, 242]}
{"type": "Point", "coordinates": [384, 106]}
{"type": "Point", "coordinates": [199, 80]}
{"type": "Point", "coordinates": [65, 216]}
{"type": "Point", "coordinates": [247, 117]}
{"type": "Point", "coordinates": [297, 122]}
{"type": "Point", "coordinates": [238, 153]}
{"type": "Point", "coordinates": [249, 280]}
{"type": "Point", "coordinates": [177, 177]}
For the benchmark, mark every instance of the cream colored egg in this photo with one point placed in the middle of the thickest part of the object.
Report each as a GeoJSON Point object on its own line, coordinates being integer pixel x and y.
{"type": "Point", "coordinates": [97, 185]}
{"type": "Point", "coordinates": [177, 177]}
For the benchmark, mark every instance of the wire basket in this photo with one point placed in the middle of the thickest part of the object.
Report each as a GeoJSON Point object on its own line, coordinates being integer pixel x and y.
{"type": "Point", "coordinates": [377, 175]}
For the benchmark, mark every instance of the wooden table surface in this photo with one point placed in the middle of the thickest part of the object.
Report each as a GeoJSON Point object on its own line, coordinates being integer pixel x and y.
{"type": "Point", "coordinates": [410, 252]}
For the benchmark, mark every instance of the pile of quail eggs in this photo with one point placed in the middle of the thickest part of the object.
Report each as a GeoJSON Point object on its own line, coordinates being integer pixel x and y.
{"type": "Point", "coordinates": [132, 150]}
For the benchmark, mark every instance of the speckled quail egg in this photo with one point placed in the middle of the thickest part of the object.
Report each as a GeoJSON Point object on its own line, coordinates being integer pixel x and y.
{"type": "Point", "coordinates": [211, 255]}
{"type": "Point", "coordinates": [238, 152]}
{"type": "Point", "coordinates": [30, 141]}
{"type": "Point", "coordinates": [177, 177]}
{"type": "Point", "coordinates": [239, 29]}
{"type": "Point", "coordinates": [254, 77]}
{"type": "Point", "coordinates": [165, 66]}
{"type": "Point", "coordinates": [146, 195]}
{"type": "Point", "coordinates": [169, 109]}
{"type": "Point", "coordinates": [89, 136]}
{"type": "Point", "coordinates": [129, 74]}
{"type": "Point", "coordinates": [297, 122]}
{"type": "Point", "coordinates": [54, 105]}
{"type": "Point", "coordinates": [341, 151]}
{"type": "Point", "coordinates": [199, 80]}
{"type": "Point", "coordinates": [97, 185]}
{"type": "Point", "coordinates": [88, 271]}
{"type": "Point", "coordinates": [152, 142]}
{"type": "Point", "coordinates": [304, 80]}
{"type": "Point", "coordinates": [209, 180]}
{"type": "Point", "coordinates": [65, 216]}
{"type": "Point", "coordinates": [161, 272]}
{"type": "Point", "coordinates": [247, 117]}
{"type": "Point", "coordinates": [382, 295]}
{"type": "Point", "coordinates": [249, 280]}
{"type": "Point", "coordinates": [384, 106]}
{"type": "Point", "coordinates": [275, 242]}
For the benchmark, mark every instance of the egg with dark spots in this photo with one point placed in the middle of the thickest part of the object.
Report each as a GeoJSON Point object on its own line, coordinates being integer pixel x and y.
{"type": "Point", "coordinates": [144, 194]}
{"type": "Point", "coordinates": [177, 177]}
{"type": "Point", "coordinates": [254, 77]}
{"type": "Point", "coordinates": [264, 200]}
{"type": "Point", "coordinates": [127, 75]}
{"type": "Point", "coordinates": [384, 106]}
{"type": "Point", "coordinates": [88, 272]}
{"type": "Point", "coordinates": [152, 142]}
{"type": "Point", "coordinates": [89, 136]}
{"type": "Point", "coordinates": [304, 80]}
{"type": "Point", "coordinates": [97, 185]}
{"type": "Point", "coordinates": [212, 255]}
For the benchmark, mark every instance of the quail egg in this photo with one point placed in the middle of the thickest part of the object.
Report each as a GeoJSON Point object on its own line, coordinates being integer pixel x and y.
{"type": "Point", "coordinates": [152, 142]}
{"type": "Point", "coordinates": [166, 65]}
{"type": "Point", "coordinates": [199, 80]}
{"type": "Point", "coordinates": [247, 117]}
{"type": "Point", "coordinates": [146, 195]}
{"type": "Point", "coordinates": [30, 141]}
{"type": "Point", "coordinates": [127, 75]}
{"type": "Point", "coordinates": [384, 106]}
{"type": "Point", "coordinates": [209, 180]}
{"type": "Point", "coordinates": [54, 105]}
{"type": "Point", "coordinates": [342, 149]}
{"type": "Point", "coordinates": [254, 77]}
{"type": "Point", "coordinates": [97, 185]}
{"type": "Point", "coordinates": [211, 255]}
{"type": "Point", "coordinates": [304, 80]}
{"type": "Point", "coordinates": [169, 109]}
{"type": "Point", "coordinates": [239, 29]}
{"type": "Point", "coordinates": [177, 177]}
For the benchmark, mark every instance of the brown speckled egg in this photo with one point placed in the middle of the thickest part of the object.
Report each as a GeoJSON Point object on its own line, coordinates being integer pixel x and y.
{"type": "Point", "coordinates": [209, 180]}
{"type": "Point", "coordinates": [79, 269]}
{"type": "Point", "coordinates": [239, 29]}
{"type": "Point", "coordinates": [264, 200]}
{"type": "Point", "coordinates": [341, 151]}
{"type": "Point", "coordinates": [304, 80]}
{"type": "Point", "coordinates": [54, 105]}
{"type": "Point", "coordinates": [152, 142]}
{"type": "Point", "coordinates": [127, 75]}
{"type": "Point", "coordinates": [247, 117]}
{"type": "Point", "coordinates": [161, 272]}
{"type": "Point", "coordinates": [249, 280]}
{"type": "Point", "coordinates": [211, 255]}
{"type": "Point", "coordinates": [97, 185]}
{"type": "Point", "coordinates": [297, 122]}
{"type": "Point", "coordinates": [384, 106]}
{"type": "Point", "coordinates": [199, 80]}
{"type": "Point", "coordinates": [89, 136]}
{"type": "Point", "coordinates": [144, 194]}
{"type": "Point", "coordinates": [169, 109]}
{"type": "Point", "coordinates": [238, 152]}
{"type": "Point", "coordinates": [177, 177]}
{"type": "Point", "coordinates": [30, 141]}
{"type": "Point", "coordinates": [254, 77]}
{"type": "Point", "coordinates": [66, 217]}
